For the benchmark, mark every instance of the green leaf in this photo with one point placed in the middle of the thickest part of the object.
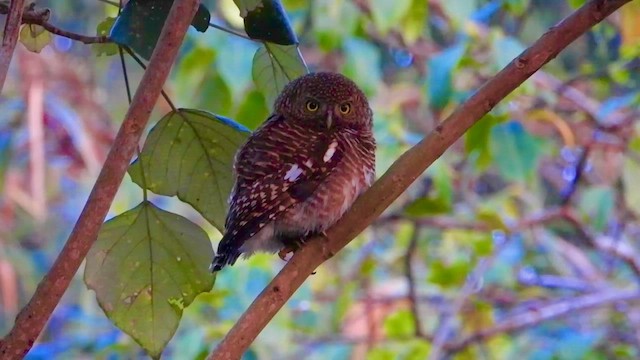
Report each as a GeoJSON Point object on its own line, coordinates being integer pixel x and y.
{"type": "Point", "coordinates": [266, 20]}
{"type": "Point", "coordinates": [598, 203]}
{"type": "Point", "coordinates": [399, 325]}
{"type": "Point", "coordinates": [34, 37]}
{"type": "Point", "coordinates": [515, 151]}
{"type": "Point", "coordinates": [414, 22]}
{"type": "Point", "coordinates": [140, 23]}
{"type": "Point", "coordinates": [274, 66]}
{"type": "Point", "coordinates": [630, 176]}
{"type": "Point", "coordinates": [388, 14]}
{"type": "Point", "coordinates": [439, 80]}
{"type": "Point", "coordinates": [362, 64]}
{"type": "Point", "coordinates": [481, 242]}
{"type": "Point", "coordinates": [449, 275]}
{"type": "Point", "coordinates": [103, 29]}
{"type": "Point", "coordinates": [440, 198]}
{"type": "Point", "coordinates": [333, 21]}
{"type": "Point", "coordinates": [476, 140]}
{"type": "Point", "coordinates": [253, 111]}
{"type": "Point", "coordinates": [190, 154]}
{"type": "Point", "coordinates": [146, 267]}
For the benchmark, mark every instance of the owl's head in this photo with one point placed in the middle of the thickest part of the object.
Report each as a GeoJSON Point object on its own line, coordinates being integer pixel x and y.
{"type": "Point", "coordinates": [325, 99]}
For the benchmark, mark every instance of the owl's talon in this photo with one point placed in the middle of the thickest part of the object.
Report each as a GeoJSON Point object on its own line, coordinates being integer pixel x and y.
{"type": "Point", "coordinates": [284, 252]}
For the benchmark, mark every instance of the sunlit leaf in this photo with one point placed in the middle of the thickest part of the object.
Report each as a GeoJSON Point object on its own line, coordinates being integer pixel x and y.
{"type": "Point", "coordinates": [190, 154]}
{"type": "Point", "coordinates": [274, 66]}
{"type": "Point", "coordinates": [414, 21]}
{"type": "Point", "coordinates": [34, 37]}
{"type": "Point", "coordinates": [439, 80]}
{"type": "Point", "coordinates": [629, 25]}
{"type": "Point", "coordinates": [146, 267]}
{"type": "Point", "coordinates": [480, 241]}
{"type": "Point", "coordinates": [515, 151]}
{"type": "Point", "coordinates": [449, 274]}
{"type": "Point", "coordinates": [103, 29]}
{"type": "Point", "coordinates": [388, 14]}
{"type": "Point", "coordinates": [140, 23]}
{"type": "Point", "coordinates": [267, 20]}
{"type": "Point", "coordinates": [334, 21]}
{"type": "Point", "coordinates": [399, 324]}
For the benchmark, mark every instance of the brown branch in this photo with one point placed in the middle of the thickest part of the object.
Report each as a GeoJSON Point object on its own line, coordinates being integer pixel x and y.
{"type": "Point", "coordinates": [34, 16]}
{"type": "Point", "coordinates": [34, 316]}
{"type": "Point", "coordinates": [548, 312]}
{"type": "Point", "coordinates": [412, 292]}
{"type": "Point", "coordinates": [10, 37]}
{"type": "Point", "coordinates": [403, 172]}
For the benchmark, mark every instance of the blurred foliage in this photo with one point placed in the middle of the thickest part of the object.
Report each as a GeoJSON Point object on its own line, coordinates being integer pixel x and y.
{"type": "Point", "coordinates": [510, 221]}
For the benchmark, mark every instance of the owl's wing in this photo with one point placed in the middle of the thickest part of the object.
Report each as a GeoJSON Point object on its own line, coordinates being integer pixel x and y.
{"type": "Point", "coordinates": [282, 164]}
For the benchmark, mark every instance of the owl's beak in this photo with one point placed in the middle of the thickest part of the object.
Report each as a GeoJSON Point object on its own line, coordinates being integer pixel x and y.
{"type": "Point", "coordinates": [329, 120]}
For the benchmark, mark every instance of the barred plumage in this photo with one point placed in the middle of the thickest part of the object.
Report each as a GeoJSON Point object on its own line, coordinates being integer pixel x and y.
{"type": "Point", "coordinates": [302, 169]}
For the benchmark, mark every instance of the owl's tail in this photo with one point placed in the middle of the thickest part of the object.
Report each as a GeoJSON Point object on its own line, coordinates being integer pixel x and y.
{"type": "Point", "coordinates": [224, 257]}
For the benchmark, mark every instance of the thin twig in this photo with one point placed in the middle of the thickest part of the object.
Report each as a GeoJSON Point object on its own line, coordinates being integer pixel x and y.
{"type": "Point", "coordinates": [403, 172]}
{"type": "Point", "coordinates": [411, 281]}
{"type": "Point", "coordinates": [10, 37]}
{"type": "Point", "coordinates": [40, 17]}
{"type": "Point", "coordinates": [553, 311]}
{"type": "Point", "coordinates": [34, 316]}
{"type": "Point", "coordinates": [229, 31]}
{"type": "Point", "coordinates": [141, 63]}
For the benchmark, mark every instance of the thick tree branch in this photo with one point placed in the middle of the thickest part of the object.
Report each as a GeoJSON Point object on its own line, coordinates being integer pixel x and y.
{"type": "Point", "coordinates": [31, 320]}
{"type": "Point", "coordinates": [10, 37]}
{"type": "Point", "coordinates": [403, 172]}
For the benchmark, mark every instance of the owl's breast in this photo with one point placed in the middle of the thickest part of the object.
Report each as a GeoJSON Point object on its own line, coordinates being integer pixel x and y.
{"type": "Point", "coordinates": [334, 196]}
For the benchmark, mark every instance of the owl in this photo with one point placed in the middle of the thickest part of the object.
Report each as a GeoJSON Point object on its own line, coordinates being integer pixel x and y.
{"type": "Point", "coordinates": [301, 170]}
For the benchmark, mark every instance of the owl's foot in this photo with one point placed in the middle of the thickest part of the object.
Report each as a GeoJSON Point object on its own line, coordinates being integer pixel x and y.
{"type": "Point", "coordinates": [286, 251]}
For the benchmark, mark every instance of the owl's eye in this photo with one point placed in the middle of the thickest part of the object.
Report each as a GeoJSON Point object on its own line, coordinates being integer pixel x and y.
{"type": "Point", "coordinates": [345, 108]}
{"type": "Point", "coordinates": [312, 105]}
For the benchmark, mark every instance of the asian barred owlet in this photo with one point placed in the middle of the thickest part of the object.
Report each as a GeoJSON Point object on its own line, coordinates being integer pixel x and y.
{"type": "Point", "coordinates": [302, 169]}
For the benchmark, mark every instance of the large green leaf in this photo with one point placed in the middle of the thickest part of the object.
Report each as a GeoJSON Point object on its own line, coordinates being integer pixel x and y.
{"type": "Point", "coordinates": [190, 153]}
{"type": "Point", "coordinates": [140, 23]}
{"type": "Point", "coordinates": [274, 66]}
{"type": "Point", "coordinates": [266, 20]}
{"type": "Point", "coordinates": [146, 267]}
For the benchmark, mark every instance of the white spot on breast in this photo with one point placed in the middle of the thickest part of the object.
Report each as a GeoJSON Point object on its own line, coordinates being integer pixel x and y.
{"type": "Point", "coordinates": [308, 163]}
{"type": "Point", "coordinates": [293, 173]}
{"type": "Point", "coordinates": [330, 151]}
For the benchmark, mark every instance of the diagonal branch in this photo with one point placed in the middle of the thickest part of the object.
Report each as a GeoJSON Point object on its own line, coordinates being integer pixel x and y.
{"type": "Point", "coordinates": [548, 312]}
{"type": "Point", "coordinates": [403, 172]}
{"type": "Point", "coordinates": [10, 37]}
{"type": "Point", "coordinates": [31, 320]}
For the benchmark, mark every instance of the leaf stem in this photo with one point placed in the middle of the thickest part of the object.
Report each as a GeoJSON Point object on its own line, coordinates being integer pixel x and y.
{"type": "Point", "coordinates": [145, 195]}
{"type": "Point", "coordinates": [232, 32]}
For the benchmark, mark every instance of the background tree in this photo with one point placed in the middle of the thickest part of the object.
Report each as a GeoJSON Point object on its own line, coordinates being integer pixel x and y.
{"type": "Point", "coordinates": [529, 218]}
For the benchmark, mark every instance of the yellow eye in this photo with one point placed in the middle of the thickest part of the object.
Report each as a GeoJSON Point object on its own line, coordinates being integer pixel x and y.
{"type": "Point", "coordinates": [345, 108]}
{"type": "Point", "coordinates": [312, 105]}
